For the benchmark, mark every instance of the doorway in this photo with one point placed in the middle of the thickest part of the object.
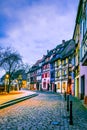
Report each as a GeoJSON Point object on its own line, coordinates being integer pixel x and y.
{"type": "Point", "coordinates": [82, 86]}
{"type": "Point", "coordinates": [78, 87]}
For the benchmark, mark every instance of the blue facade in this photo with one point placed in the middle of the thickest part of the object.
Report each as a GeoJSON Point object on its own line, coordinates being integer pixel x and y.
{"type": "Point", "coordinates": [52, 72]}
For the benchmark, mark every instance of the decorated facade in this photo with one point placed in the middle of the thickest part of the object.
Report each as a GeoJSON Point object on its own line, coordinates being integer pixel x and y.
{"type": "Point", "coordinates": [64, 68]}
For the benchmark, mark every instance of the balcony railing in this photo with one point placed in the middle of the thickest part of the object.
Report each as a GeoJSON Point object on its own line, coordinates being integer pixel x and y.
{"type": "Point", "coordinates": [70, 65]}
{"type": "Point", "coordinates": [58, 78]}
{"type": "Point", "coordinates": [64, 65]}
{"type": "Point", "coordinates": [58, 67]}
{"type": "Point", "coordinates": [64, 76]}
{"type": "Point", "coordinates": [47, 69]}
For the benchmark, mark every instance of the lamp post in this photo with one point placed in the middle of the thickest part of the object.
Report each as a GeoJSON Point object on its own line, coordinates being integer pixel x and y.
{"type": "Point", "coordinates": [16, 85]}
{"type": "Point", "coordinates": [20, 81]}
{"type": "Point", "coordinates": [6, 81]}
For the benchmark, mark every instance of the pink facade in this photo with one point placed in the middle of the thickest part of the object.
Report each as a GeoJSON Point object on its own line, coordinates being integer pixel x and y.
{"type": "Point", "coordinates": [45, 77]}
{"type": "Point", "coordinates": [83, 79]}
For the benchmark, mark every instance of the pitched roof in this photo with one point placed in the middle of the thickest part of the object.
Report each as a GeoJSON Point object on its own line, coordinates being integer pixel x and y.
{"type": "Point", "coordinates": [69, 49]}
{"type": "Point", "coordinates": [59, 52]}
{"type": "Point", "coordinates": [65, 50]}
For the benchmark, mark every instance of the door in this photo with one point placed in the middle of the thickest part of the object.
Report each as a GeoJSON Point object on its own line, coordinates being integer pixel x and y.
{"type": "Point", "coordinates": [82, 86]}
{"type": "Point", "coordinates": [78, 87]}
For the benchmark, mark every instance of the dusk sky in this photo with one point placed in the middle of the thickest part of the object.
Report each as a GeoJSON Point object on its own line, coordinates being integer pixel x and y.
{"type": "Point", "coordinates": [34, 26]}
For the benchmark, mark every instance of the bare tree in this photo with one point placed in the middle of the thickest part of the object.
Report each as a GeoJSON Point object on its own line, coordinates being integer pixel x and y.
{"type": "Point", "coordinates": [1, 55]}
{"type": "Point", "coordinates": [26, 67]}
{"type": "Point", "coordinates": [10, 62]}
{"type": "Point", "coordinates": [21, 74]}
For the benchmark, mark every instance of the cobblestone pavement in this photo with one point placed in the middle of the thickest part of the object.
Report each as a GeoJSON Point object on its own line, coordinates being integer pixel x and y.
{"type": "Point", "coordinates": [42, 113]}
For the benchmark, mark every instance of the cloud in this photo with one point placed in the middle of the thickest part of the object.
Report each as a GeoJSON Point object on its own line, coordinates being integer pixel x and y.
{"type": "Point", "coordinates": [38, 26]}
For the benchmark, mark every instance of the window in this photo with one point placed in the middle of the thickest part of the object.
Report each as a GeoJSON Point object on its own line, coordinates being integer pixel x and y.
{"type": "Point", "coordinates": [62, 62]}
{"type": "Point", "coordinates": [45, 75]}
{"type": "Point", "coordinates": [73, 61]}
{"type": "Point", "coordinates": [48, 75]}
{"type": "Point", "coordinates": [42, 75]}
{"type": "Point", "coordinates": [64, 85]}
{"type": "Point", "coordinates": [38, 77]}
{"type": "Point", "coordinates": [56, 63]}
{"type": "Point", "coordinates": [58, 73]}
{"type": "Point", "coordinates": [58, 85]}
{"type": "Point", "coordinates": [64, 72]}
{"type": "Point", "coordinates": [84, 27]}
{"type": "Point", "coordinates": [81, 31]}
{"type": "Point", "coordinates": [59, 62]}
{"type": "Point", "coordinates": [65, 61]}
{"type": "Point", "coordinates": [48, 66]}
{"type": "Point", "coordinates": [70, 73]}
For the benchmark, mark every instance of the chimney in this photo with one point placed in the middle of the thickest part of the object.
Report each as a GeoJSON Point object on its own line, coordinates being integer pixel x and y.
{"type": "Point", "coordinates": [63, 41]}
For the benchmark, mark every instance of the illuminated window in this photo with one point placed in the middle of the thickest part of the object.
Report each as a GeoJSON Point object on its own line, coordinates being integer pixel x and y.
{"type": "Point", "coordinates": [64, 85]}
{"type": "Point", "coordinates": [58, 85]}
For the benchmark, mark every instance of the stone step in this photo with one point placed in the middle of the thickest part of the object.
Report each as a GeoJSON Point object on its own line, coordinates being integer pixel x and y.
{"type": "Point", "coordinates": [12, 102]}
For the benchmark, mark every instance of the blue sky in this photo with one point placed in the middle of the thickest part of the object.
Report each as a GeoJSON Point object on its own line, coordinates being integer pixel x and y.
{"type": "Point", "coordinates": [34, 26]}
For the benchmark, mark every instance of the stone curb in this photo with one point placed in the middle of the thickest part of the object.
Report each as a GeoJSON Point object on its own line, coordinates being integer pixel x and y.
{"type": "Point", "coordinates": [12, 102]}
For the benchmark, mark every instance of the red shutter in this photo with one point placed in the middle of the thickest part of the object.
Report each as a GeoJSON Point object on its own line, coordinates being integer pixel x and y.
{"type": "Point", "coordinates": [42, 75]}
{"type": "Point", "coordinates": [45, 75]}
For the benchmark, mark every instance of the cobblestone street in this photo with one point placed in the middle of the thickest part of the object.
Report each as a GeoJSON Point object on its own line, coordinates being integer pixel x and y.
{"type": "Point", "coordinates": [42, 113]}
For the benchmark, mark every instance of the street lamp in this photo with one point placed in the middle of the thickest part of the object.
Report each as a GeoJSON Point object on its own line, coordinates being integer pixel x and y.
{"type": "Point", "coordinates": [6, 81]}
{"type": "Point", "coordinates": [20, 81]}
{"type": "Point", "coordinates": [7, 76]}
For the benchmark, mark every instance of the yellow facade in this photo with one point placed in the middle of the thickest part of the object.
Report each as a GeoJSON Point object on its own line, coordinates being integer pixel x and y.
{"type": "Point", "coordinates": [77, 60]}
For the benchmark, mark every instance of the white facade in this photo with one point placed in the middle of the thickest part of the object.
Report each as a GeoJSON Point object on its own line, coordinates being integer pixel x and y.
{"type": "Point", "coordinates": [45, 82]}
{"type": "Point", "coordinates": [59, 86]}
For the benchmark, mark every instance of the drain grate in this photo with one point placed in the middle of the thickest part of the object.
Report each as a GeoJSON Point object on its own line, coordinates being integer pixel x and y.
{"type": "Point", "coordinates": [55, 123]}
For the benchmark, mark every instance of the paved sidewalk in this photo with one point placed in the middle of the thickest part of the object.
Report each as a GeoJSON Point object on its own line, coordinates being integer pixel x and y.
{"type": "Point", "coordinates": [4, 97]}
{"type": "Point", "coordinates": [79, 114]}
